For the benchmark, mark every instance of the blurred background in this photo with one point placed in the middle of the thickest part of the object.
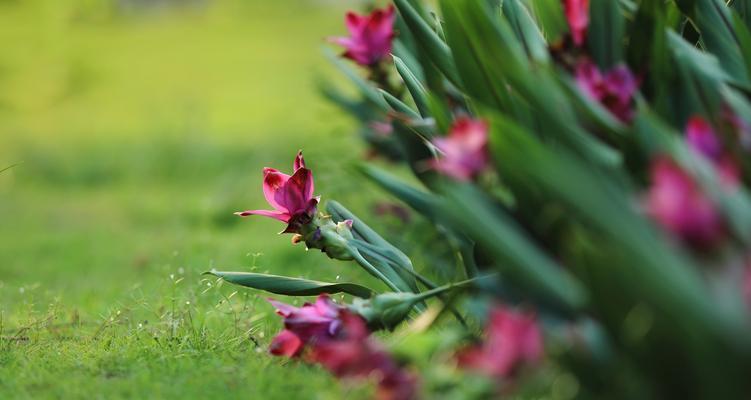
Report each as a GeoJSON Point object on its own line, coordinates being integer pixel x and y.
{"type": "Point", "coordinates": [139, 127]}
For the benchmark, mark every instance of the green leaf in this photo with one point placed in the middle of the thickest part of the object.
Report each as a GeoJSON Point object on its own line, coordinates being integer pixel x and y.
{"type": "Point", "coordinates": [369, 91]}
{"type": "Point", "coordinates": [428, 40]}
{"type": "Point", "coordinates": [526, 30]}
{"type": "Point", "coordinates": [401, 51]}
{"type": "Point", "coordinates": [415, 88]}
{"type": "Point", "coordinates": [495, 69]}
{"type": "Point", "coordinates": [291, 286]}
{"type": "Point", "coordinates": [743, 35]}
{"type": "Point", "coordinates": [549, 15]}
{"type": "Point", "coordinates": [402, 275]}
{"type": "Point", "coordinates": [7, 168]}
{"type": "Point", "coordinates": [398, 106]}
{"type": "Point", "coordinates": [605, 36]}
{"type": "Point", "coordinates": [516, 256]}
{"type": "Point", "coordinates": [713, 20]}
{"type": "Point", "coordinates": [743, 10]}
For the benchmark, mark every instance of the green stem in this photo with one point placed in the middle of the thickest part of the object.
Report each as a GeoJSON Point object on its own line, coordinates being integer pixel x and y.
{"type": "Point", "coordinates": [371, 269]}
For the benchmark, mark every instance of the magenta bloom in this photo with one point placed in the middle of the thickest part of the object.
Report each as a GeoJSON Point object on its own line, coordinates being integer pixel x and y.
{"type": "Point", "coordinates": [465, 150]}
{"type": "Point", "coordinates": [677, 203]}
{"type": "Point", "coordinates": [615, 90]}
{"type": "Point", "coordinates": [354, 354]}
{"type": "Point", "coordinates": [287, 344]}
{"type": "Point", "coordinates": [370, 36]}
{"type": "Point", "coordinates": [290, 196]}
{"type": "Point", "coordinates": [311, 322]}
{"type": "Point", "coordinates": [577, 15]}
{"type": "Point", "coordinates": [513, 339]}
{"type": "Point", "coordinates": [703, 140]}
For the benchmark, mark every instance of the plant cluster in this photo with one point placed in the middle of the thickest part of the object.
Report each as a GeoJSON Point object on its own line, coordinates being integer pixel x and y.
{"type": "Point", "coordinates": [585, 162]}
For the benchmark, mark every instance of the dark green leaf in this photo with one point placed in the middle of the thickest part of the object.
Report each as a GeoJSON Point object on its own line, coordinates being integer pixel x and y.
{"type": "Point", "coordinates": [291, 286]}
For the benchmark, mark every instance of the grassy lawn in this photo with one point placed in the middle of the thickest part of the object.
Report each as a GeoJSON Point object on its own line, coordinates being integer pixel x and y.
{"type": "Point", "coordinates": [139, 131]}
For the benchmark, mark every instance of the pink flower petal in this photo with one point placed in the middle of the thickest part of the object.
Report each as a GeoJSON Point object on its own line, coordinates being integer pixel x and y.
{"type": "Point", "coordinates": [278, 215]}
{"type": "Point", "coordinates": [296, 192]}
{"type": "Point", "coordinates": [577, 15]}
{"type": "Point", "coordinates": [287, 344]}
{"type": "Point", "coordinates": [299, 162]}
{"type": "Point", "coordinates": [273, 180]}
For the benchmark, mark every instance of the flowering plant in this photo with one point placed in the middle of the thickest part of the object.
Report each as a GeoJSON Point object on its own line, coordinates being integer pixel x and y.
{"type": "Point", "coordinates": [586, 164]}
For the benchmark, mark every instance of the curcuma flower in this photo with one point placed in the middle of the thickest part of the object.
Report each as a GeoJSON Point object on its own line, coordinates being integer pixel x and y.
{"type": "Point", "coordinates": [703, 140]}
{"type": "Point", "coordinates": [677, 203]}
{"type": "Point", "coordinates": [290, 196]}
{"type": "Point", "coordinates": [370, 36]}
{"type": "Point", "coordinates": [513, 340]}
{"type": "Point", "coordinates": [310, 323]}
{"type": "Point", "coordinates": [465, 150]}
{"type": "Point", "coordinates": [356, 355]}
{"type": "Point", "coordinates": [577, 15]}
{"type": "Point", "coordinates": [614, 90]}
{"type": "Point", "coordinates": [339, 340]}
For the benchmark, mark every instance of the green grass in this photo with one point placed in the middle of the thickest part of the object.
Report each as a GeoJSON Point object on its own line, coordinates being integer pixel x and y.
{"type": "Point", "coordinates": [139, 133]}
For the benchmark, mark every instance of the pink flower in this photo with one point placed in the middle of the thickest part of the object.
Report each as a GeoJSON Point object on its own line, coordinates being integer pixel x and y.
{"type": "Point", "coordinates": [465, 152]}
{"type": "Point", "coordinates": [677, 203]}
{"type": "Point", "coordinates": [577, 15]}
{"type": "Point", "coordinates": [311, 322]}
{"type": "Point", "coordinates": [702, 138]}
{"type": "Point", "coordinates": [370, 36]}
{"type": "Point", "coordinates": [287, 344]}
{"type": "Point", "coordinates": [513, 339]}
{"type": "Point", "coordinates": [354, 354]}
{"type": "Point", "coordinates": [290, 196]}
{"type": "Point", "coordinates": [704, 141]}
{"type": "Point", "coordinates": [340, 341]}
{"type": "Point", "coordinates": [615, 90]}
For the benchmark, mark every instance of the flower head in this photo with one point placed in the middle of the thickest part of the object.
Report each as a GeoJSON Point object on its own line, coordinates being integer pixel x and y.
{"type": "Point", "coordinates": [677, 203]}
{"type": "Point", "coordinates": [311, 322]}
{"type": "Point", "coordinates": [614, 90]}
{"type": "Point", "coordinates": [290, 196]}
{"type": "Point", "coordinates": [354, 354]}
{"type": "Point", "coordinates": [465, 152]}
{"type": "Point", "coordinates": [577, 15]}
{"type": "Point", "coordinates": [513, 339]}
{"type": "Point", "coordinates": [370, 36]}
{"type": "Point", "coordinates": [703, 140]}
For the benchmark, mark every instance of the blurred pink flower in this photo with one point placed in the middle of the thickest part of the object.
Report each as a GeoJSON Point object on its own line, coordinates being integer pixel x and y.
{"type": "Point", "coordinates": [465, 150]}
{"type": "Point", "coordinates": [703, 140]}
{"type": "Point", "coordinates": [290, 196]}
{"type": "Point", "coordinates": [615, 90]}
{"type": "Point", "coordinates": [513, 339]}
{"type": "Point", "coordinates": [356, 355]}
{"type": "Point", "coordinates": [287, 344]}
{"type": "Point", "coordinates": [677, 203]}
{"type": "Point", "coordinates": [370, 36]}
{"type": "Point", "coordinates": [311, 322]}
{"type": "Point", "coordinates": [577, 15]}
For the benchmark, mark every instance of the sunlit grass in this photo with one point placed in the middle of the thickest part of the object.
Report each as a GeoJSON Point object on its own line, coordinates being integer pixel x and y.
{"type": "Point", "coordinates": [139, 132]}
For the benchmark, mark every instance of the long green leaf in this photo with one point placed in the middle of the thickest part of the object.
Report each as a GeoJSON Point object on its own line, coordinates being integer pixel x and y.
{"type": "Point", "coordinates": [291, 286]}
{"type": "Point", "coordinates": [428, 39]}
{"type": "Point", "coordinates": [415, 88]}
